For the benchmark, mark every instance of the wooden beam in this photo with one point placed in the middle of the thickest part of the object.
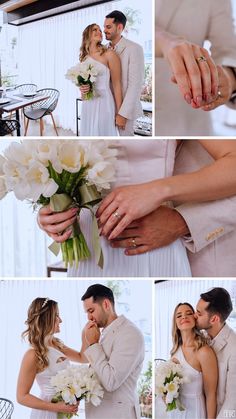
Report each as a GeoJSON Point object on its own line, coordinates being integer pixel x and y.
{"type": "Point", "coordinates": [37, 10]}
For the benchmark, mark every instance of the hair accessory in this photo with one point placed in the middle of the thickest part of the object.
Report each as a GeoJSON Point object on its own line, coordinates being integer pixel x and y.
{"type": "Point", "coordinates": [45, 302]}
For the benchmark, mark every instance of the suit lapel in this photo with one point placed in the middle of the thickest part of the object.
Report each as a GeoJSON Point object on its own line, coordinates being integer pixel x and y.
{"type": "Point", "coordinates": [221, 339]}
{"type": "Point", "coordinates": [121, 46]}
{"type": "Point", "coordinates": [166, 12]}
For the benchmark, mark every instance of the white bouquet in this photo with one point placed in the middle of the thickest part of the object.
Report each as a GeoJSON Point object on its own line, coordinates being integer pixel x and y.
{"type": "Point", "coordinates": [62, 174]}
{"type": "Point", "coordinates": [76, 383]}
{"type": "Point", "coordinates": [83, 73]}
{"type": "Point", "coordinates": [169, 377]}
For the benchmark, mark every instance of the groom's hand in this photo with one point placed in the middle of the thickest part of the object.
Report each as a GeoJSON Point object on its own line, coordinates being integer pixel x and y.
{"type": "Point", "coordinates": [120, 121]}
{"type": "Point", "coordinates": [157, 229]}
{"type": "Point", "coordinates": [91, 333]}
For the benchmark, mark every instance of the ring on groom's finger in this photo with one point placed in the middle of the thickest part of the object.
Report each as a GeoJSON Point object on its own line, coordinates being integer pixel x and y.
{"type": "Point", "coordinates": [116, 214]}
{"type": "Point", "coordinates": [201, 58]}
{"type": "Point", "coordinates": [133, 242]}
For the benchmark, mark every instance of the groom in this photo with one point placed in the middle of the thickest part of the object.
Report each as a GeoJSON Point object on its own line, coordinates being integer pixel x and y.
{"type": "Point", "coordinates": [213, 309]}
{"type": "Point", "coordinates": [132, 68]}
{"type": "Point", "coordinates": [117, 357]}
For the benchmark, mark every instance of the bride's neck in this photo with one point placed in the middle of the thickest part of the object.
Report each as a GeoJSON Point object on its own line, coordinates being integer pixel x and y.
{"type": "Point", "coordinates": [188, 337]}
{"type": "Point", "coordinates": [94, 48]}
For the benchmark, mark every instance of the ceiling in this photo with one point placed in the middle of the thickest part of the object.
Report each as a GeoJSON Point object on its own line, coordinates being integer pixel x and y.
{"type": "Point", "coordinates": [19, 12]}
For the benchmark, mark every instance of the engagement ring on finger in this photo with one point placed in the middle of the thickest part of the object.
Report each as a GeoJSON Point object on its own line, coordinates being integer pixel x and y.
{"type": "Point", "coordinates": [201, 58]}
{"type": "Point", "coordinates": [134, 244]}
{"type": "Point", "coordinates": [116, 214]}
{"type": "Point", "coordinates": [219, 94]}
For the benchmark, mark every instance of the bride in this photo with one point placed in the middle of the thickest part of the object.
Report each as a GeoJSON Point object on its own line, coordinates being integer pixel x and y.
{"type": "Point", "coordinates": [98, 113]}
{"type": "Point", "coordinates": [199, 363]}
{"type": "Point", "coordinates": [43, 360]}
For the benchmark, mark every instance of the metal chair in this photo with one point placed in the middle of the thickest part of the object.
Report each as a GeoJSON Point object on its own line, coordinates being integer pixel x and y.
{"type": "Point", "coordinates": [8, 126]}
{"type": "Point", "coordinates": [6, 408]}
{"type": "Point", "coordinates": [40, 109]}
{"type": "Point", "coordinates": [27, 88]}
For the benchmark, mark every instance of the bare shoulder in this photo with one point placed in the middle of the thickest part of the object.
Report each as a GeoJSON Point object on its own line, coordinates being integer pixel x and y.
{"type": "Point", "coordinates": [110, 53]}
{"type": "Point", "coordinates": [29, 357]}
{"type": "Point", "coordinates": [205, 353]}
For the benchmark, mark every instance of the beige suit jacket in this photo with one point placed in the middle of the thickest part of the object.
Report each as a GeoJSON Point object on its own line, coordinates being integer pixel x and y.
{"type": "Point", "coordinates": [224, 345]}
{"type": "Point", "coordinates": [197, 21]}
{"type": "Point", "coordinates": [117, 360]}
{"type": "Point", "coordinates": [212, 242]}
{"type": "Point", "coordinates": [132, 64]}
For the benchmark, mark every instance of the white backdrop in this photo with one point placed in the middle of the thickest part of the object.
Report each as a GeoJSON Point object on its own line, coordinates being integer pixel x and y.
{"type": "Point", "coordinates": [15, 298]}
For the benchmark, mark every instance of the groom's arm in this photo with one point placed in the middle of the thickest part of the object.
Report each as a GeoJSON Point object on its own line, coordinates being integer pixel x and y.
{"type": "Point", "coordinates": [127, 354]}
{"type": "Point", "coordinates": [229, 406]}
{"type": "Point", "coordinates": [135, 82]}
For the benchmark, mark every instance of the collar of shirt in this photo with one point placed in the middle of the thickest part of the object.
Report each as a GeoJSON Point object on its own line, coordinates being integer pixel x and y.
{"type": "Point", "coordinates": [110, 46]}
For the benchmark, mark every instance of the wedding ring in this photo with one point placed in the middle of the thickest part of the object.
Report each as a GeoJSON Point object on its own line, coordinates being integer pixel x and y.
{"type": "Point", "coordinates": [134, 244]}
{"type": "Point", "coordinates": [201, 58]}
{"type": "Point", "coordinates": [116, 214]}
{"type": "Point", "coordinates": [219, 94]}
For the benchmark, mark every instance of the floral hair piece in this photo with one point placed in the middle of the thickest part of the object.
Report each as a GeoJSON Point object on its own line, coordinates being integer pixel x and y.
{"type": "Point", "coordinates": [45, 302]}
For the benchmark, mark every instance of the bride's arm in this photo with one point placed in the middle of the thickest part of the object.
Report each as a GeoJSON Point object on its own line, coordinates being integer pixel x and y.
{"type": "Point", "coordinates": [208, 362]}
{"type": "Point", "coordinates": [115, 70]}
{"type": "Point", "coordinates": [74, 355]}
{"type": "Point", "coordinates": [212, 182]}
{"type": "Point", "coordinates": [26, 379]}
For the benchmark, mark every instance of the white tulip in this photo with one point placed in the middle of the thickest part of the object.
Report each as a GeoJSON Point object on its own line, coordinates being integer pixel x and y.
{"type": "Point", "coordinates": [71, 157]}
{"type": "Point", "coordinates": [19, 152]}
{"type": "Point", "coordinates": [39, 181]}
{"type": "Point", "coordinates": [101, 174]}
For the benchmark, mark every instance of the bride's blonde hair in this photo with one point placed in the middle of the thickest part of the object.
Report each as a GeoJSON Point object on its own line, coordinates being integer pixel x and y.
{"type": "Point", "coordinates": [40, 323]}
{"type": "Point", "coordinates": [199, 340]}
{"type": "Point", "coordinates": [86, 36]}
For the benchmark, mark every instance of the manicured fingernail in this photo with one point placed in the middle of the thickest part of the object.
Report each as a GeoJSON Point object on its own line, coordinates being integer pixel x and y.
{"type": "Point", "coordinates": [208, 97]}
{"type": "Point", "coordinates": [188, 98]}
{"type": "Point", "coordinates": [126, 252]}
{"type": "Point", "coordinates": [198, 100]}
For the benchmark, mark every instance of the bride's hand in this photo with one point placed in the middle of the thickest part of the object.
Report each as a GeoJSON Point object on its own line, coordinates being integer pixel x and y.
{"type": "Point", "coordinates": [126, 204]}
{"type": "Point", "coordinates": [62, 407]}
{"type": "Point", "coordinates": [55, 223]}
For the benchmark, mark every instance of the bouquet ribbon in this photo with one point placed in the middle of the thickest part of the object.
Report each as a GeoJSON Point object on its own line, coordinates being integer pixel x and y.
{"type": "Point", "coordinates": [88, 198]}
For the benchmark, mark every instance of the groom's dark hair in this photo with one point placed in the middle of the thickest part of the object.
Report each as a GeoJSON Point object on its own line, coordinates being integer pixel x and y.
{"type": "Point", "coordinates": [99, 293]}
{"type": "Point", "coordinates": [118, 17]}
{"type": "Point", "coordinates": [219, 302]}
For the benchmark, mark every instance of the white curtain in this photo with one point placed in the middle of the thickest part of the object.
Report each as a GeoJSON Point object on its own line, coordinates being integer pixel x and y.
{"type": "Point", "coordinates": [47, 48]}
{"type": "Point", "coordinates": [168, 294]}
{"type": "Point", "coordinates": [15, 298]}
{"type": "Point", "coordinates": [23, 246]}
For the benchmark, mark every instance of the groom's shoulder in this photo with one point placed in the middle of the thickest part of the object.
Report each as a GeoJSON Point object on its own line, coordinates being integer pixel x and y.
{"type": "Point", "coordinates": [131, 44]}
{"type": "Point", "coordinates": [131, 328]}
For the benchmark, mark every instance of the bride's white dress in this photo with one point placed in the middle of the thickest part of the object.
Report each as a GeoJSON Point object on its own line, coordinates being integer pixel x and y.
{"type": "Point", "coordinates": [192, 396]}
{"type": "Point", "coordinates": [98, 113]}
{"type": "Point", "coordinates": [138, 161]}
{"type": "Point", "coordinates": [56, 363]}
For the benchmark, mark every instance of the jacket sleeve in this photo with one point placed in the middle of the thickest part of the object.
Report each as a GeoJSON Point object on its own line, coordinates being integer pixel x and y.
{"type": "Point", "coordinates": [223, 42]}
{"type": "Point", "coordinates": [135, 81]}
{"type": "Point", "coordinates": [127, 354]}
{"type": "Point", "coordinates": [207, 221]}
{"type": "Point", "coordinates": [228, 409]}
